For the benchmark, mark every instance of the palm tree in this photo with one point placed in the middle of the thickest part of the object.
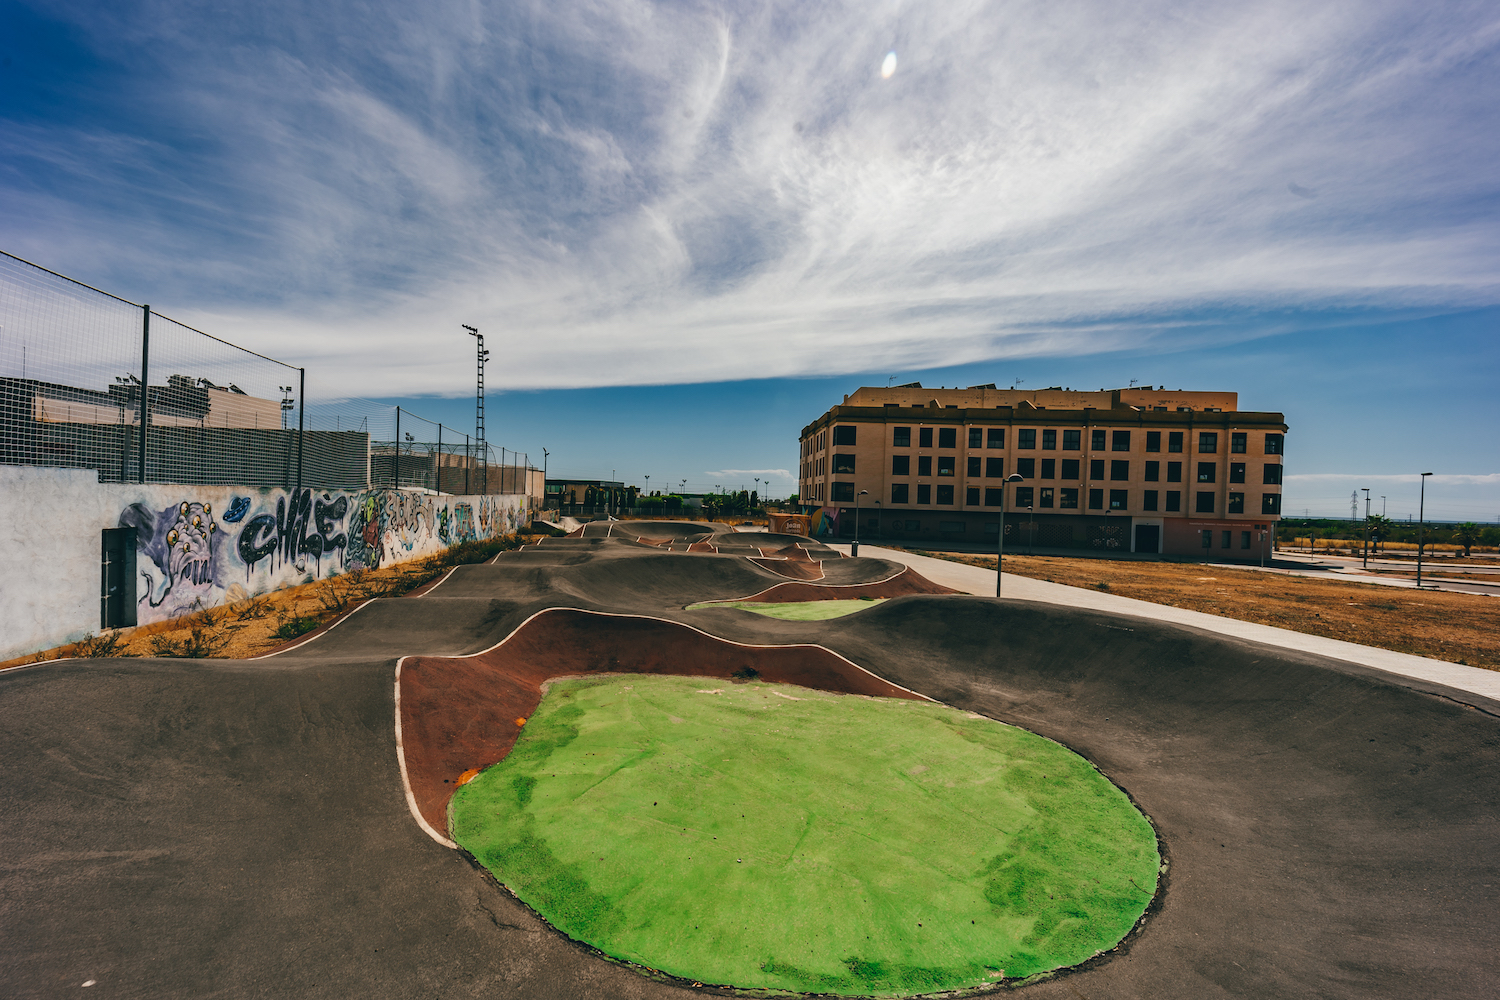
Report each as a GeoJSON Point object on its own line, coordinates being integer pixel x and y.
{"type": "Point", "coordinates": [1466, 534]}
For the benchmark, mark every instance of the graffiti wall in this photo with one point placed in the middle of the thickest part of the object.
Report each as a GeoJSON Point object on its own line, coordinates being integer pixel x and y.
{"type": "Point", "coordinates": [202, 546]}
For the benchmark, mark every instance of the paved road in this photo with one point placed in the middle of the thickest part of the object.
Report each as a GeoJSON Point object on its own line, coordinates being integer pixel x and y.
{"type": "Point", "coordinates": [239, 828]}
{"type": "Point", "coordinates": [974, 580]}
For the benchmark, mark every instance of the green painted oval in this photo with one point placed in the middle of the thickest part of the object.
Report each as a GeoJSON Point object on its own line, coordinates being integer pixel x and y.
{"type": "Point", "coordinates": [770, 836]}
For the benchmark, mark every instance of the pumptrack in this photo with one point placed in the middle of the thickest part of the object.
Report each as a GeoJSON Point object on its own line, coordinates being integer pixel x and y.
{"type": "Point", "coordinates": [224, 828]}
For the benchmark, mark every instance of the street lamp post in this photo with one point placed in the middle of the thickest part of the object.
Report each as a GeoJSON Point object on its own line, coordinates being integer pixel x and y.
{"type": "Point", "coordinates": [545, 453]}
{"type": "Point", "coordinates": [1364, 547]}
{"type": "Point", "coordinates": [854, 549]}
{"type": "Point", "coordinates": [1000, 543]}
{"type": "Point", "coordinates": [1421, 524]}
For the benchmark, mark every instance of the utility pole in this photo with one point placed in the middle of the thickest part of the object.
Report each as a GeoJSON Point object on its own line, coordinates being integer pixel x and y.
{"type": "Point", "coordinates": [545, 453]}
{"type": "Point", "coordinates": [479, 444]}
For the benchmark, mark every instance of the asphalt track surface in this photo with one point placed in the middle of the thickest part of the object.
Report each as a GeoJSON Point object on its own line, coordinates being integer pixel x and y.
{"type": "Point", "coordinates": [213, 828]}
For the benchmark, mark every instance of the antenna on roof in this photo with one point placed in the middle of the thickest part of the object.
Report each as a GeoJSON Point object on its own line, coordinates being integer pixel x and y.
{"type": "Point", "coordinates": [1017, 382]}
{"type": "Point", "coordinates": [1133, 382]}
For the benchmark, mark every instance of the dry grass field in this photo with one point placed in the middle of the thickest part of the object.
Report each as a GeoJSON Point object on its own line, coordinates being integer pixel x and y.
{"type": "Point", "coordinates": [1460, 628]}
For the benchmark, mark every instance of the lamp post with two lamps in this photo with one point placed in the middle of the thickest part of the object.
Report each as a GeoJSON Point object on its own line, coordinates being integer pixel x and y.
{"type": "Point", "coordinates": [1000, 544]}
{"type": "Point", "coordinates": [854, 549]}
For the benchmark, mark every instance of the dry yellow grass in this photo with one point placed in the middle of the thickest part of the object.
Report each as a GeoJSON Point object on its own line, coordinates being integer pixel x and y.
{"type": "Point", "coordinates": [1460, 628]}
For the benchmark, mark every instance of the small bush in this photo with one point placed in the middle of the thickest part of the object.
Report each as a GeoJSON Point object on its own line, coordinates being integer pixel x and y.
{"type": "Point", "coordinates": [97, 646]}
{"type": "Point", "coordinates": [1102, 585]}
{"type": "Point", "coordinates": [744, 674]}
{"type": "Point", "coordinates": [198, 641]}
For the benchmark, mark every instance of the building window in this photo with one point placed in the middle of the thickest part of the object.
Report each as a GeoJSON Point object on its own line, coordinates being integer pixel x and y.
{"type": "Point", "coordinates": [1024, 496]}
{"type": "Point", "coordinates": [1208, 539]}
{"type": "Point", "coordinates": [843, 463]}
{"type": "Point", "coordinates": [1049, 440]}
{"type": "Point", "coordinates": [924, 494]}
{"type": "Point", "coordinates": [993, 496]}
{"type": "Point", "coordinates": [994, 468]}
{"type": "Point", "coordinates": [976, 437]}
{"type": "Point", "coordinates": [1069, 498]}
{"type": "Point", "coordinates": [1047, 493]}
{"type": "Point", "coordinates": [924, 465]}
{"type": "Point", "coordinates": [1096, 468]}
{"type": "Point", "coordinates": [1271, 475]}
{"type": "Point", "coordinates": [1119, 441]}
{"type": "Point", "coordinates": [1174, 472]}
{"type": "Point", "coordinates": [947, 437]}
{"type": "Point", "coordinates": [1207, 471]}
{"type": "Point", "coordinates": [1026, 438]}
{"type": "Point", "coordinates": [1119, 470]}
{"type": "Point", "coordinates": [1026, 467]}
{"type": "Point", "coordinates": [1205, 503]}
{"type": "Point", "coordinates": [1153, 472]}
{"type": "Point", "coordinates": [843, 434]}
{"type": "Point", "coordinates": [900, 465]}
{"type": "Point", "coordinates": [1270, 503]}
{"type": "Point", "coordinates": [900, 493]}
{"type": "Point", "coordinates": [973, 464]}
{"type": "Point", "coordinates": [1096, 499]}
{"type": "Point", "coordinates": [1244, 539]}
{"type": "Point", "coordinates": [1236, 472]}
{"type": "Point", "coordinates": [1153, 440]}
{"type": "Point", "coordinates": [1174, 441]}
{"type": "Point", "coordinates": [996, 437]}
{"type": "Point", "coordinates": [1227, 539]}
{"type": "Point", "coordinates": [945, 465]}
{"type": "Point", "coordinates": [1174, 501]}
{"type": "Point", "coordinates": [1273, 444]}
{"type": "Point", "coordinates": [843, 491]}
{"type": "Point", "coordinates": [924, 437]}
{"type": "Point", "coordinates": [1208, 443]}
{"type": "Point", "coordinates": [901, 437]}
{"type": "Point", "coordinates": [1072, 440]}
{"type": "Point", "coordinates": [971, 496]}
{"type": "Point", "coordinates": [1237, 442]}
{"type": "Point", "coordinates": [945, 495]}
{"type": "Point", "coordinates": [1049, 468]}
{"type": "Point", "coordinates": [1070, 468]}
{"type": "Point", "coordinates": [1236, 503]}
{"type": "Point", "coordinates": [1119, 499]}
{"type": "Point", "coordinates": [1097, 440]}
{"type": "Point", "coordinates": [1148, 500]}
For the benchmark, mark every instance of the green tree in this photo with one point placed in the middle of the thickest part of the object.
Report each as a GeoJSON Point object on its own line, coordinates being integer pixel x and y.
{"type": "Point", "coordinates": [1467, 535]}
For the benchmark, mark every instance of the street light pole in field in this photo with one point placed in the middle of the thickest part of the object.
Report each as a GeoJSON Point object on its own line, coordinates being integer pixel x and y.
{"type": "Point", "coordinates": [1365, 545]}
{"type": "Point", "coordinates": [854, 549]}
{"type": "Point", "coordinates": [1421, 524]}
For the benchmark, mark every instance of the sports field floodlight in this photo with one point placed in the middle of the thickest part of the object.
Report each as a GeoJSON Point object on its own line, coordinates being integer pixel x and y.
{"type": "Point", "coordinates": [854, 550]}
{"type": "Point", "coordinates": [1421, 524]}
{"type": "Point", "coordinates": [1014, 477]}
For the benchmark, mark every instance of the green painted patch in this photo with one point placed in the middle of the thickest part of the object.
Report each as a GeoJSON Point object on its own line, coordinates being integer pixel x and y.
{"type": "Point", "coordinates": [770, 836]}
{"type": "Point", "coordinates": [796, 611]}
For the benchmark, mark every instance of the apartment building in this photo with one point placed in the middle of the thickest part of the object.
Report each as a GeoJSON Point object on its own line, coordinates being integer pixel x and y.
{"type": "Point", "coordinates": [1140, 469]}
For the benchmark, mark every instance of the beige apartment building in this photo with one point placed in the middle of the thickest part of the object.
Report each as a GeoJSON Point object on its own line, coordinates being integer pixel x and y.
{"type": "Point", "coordinates": [1138, 470]}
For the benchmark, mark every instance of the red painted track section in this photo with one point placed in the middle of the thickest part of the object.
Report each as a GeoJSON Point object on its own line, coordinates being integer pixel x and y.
{"type": "Point", "coordinates": [459, 713]}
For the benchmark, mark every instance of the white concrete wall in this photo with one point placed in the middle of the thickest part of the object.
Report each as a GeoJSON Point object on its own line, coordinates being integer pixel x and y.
{"type": "Point", "coordinates": [202, 546]}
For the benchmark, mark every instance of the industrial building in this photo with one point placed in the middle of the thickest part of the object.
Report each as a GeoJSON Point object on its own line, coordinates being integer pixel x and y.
{"type": "Point", "coordinates": [1139, 469]}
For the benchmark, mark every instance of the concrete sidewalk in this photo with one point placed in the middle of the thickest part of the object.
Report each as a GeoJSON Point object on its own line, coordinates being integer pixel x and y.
{"type": "Point", "coordinates": [981, 582]}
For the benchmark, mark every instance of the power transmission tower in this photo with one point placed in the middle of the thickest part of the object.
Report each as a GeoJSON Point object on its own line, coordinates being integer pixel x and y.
{"type": "Point", "coordinates": [479, 407]}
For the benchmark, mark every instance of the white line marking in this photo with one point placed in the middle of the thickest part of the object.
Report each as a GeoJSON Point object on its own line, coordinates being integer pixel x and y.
{"type": "Point", "coordinates": [411, 799]}
{"type": "Point", "coordinates": [444, 579]}
{"type": "Point", "coordinates": [304, 642]}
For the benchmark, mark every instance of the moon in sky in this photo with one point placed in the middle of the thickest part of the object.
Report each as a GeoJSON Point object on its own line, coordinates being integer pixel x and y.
{"type": "Point", "coordinates": [889, 66]}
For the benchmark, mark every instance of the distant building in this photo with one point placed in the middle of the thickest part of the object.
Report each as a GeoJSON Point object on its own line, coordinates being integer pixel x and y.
{"type": "Point", "coordinates": [1135, 470]}
{"type": "Point", "coordinates": [601, 494]}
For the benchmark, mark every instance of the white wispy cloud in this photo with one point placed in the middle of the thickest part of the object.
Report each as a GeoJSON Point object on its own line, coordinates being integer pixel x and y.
{"type": "Point", "coordinates": [696, 191]}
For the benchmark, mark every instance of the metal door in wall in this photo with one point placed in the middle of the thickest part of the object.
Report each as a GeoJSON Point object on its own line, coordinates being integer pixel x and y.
{"type": "Point", "coordinates": [1147, 538]}
{"type": "Point", "coordinates": [117, 578]}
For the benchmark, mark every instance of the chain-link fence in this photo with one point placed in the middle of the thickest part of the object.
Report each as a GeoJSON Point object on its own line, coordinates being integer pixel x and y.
{"type": "Point", "coordinates": [89, 380]}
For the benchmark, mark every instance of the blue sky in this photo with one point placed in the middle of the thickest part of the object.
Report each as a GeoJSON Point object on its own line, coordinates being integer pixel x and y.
{"type": "Point", "coordinates": [688, 228]}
